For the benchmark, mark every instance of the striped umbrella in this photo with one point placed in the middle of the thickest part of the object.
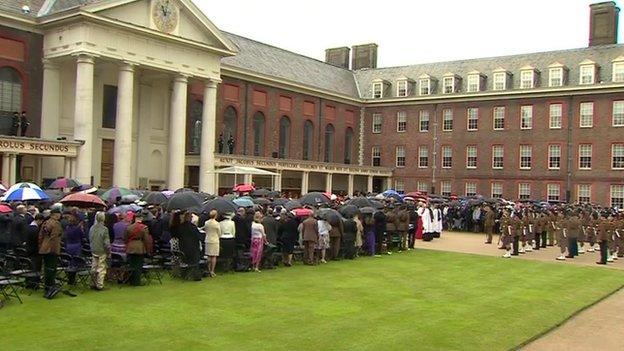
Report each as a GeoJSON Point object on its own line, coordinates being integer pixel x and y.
{"type": "Point", "coordinates": [63, 183]}
{"type": "Point", "coordinates": [25, 192]}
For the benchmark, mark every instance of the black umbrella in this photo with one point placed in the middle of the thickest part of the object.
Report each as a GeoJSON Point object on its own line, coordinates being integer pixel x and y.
{"type": "Point", "coordinates": [314, 199]}
{"type": "Point", "coordinates": [202, 197]}
{"type": "Point", "coordinates": [368, 210]}
{"type": "Point", "coordinates": [155, 198]}
{"type": "Point", "coordinates": [376, 204]}
{"type": "Point", "coordinates": [349, 211]}
{"type": "Point", "coordinates": [273, 194]}
{"type": "Point", "coordinates": [221, 205]}
{"type": "Point", "coordinates": [280, 201]}
{"type": "Point", "coordinates": [330, 215]}
{"type": "Point", "coordinates": [183, 190]}
{"type": "Point", "coordinates": [184, 201]}
{"type": "Point", "coordinates": [293, 204]}
{"type": "Point", "coordinates": [260, 193]}
{"type": "Point", "coordinates": [55, 195]}
{"type": "Point", "coordinates": [360, 202]}
{"type": "Point", "coordinates": [261, 201]}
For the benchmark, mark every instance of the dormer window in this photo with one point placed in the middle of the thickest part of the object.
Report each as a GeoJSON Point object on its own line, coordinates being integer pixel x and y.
{"type": "Point", "coordinates": [501, 79]}
{"type": "Point", "coordinates": [475, 82]}
{"type": "Point", "coordinates": [450, 83]}
{"type": "Point", "coordinates": [618, 70]}
{"type": "Point", "coordinates": [424, 85]}
{"type": "Point", "coordinates": [557, 75]}
{"type": "Point", "coordinates": [401, 88]}
{"type": "Point", "coordinates": [528, 77]}
{"type": "Point", "coordinates": [377, 90]}
{"type": "Point", "coordinates": [587, 70]}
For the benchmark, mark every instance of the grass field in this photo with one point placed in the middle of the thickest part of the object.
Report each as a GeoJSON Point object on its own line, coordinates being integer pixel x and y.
{"type": "Point", "coordinates": [421, 300]}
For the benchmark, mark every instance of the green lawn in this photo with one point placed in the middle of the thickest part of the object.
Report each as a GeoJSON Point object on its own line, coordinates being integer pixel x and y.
{"type": "Point", "coordinates": [423, 300]}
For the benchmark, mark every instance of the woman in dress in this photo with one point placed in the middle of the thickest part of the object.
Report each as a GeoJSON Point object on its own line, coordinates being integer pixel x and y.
{"type": "Point", "coordinates": [288, 234]}
{"type": "Point", "coordinates": [323, 243]}
{"type": "Point", "coordinates": [258, 239]}
{"type": "Point", "coordinates": [212, 228]}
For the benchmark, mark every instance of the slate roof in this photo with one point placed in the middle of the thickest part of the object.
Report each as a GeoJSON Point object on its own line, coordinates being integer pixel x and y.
{"type": "Point", "coordinates": [16, 6]}
{"type": "Point", "coordinates": [279, 63]}
{"type": "Point", "coordinates": [602, 55]}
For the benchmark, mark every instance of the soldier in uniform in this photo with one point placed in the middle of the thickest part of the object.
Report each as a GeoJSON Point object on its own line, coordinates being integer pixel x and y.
{"type": "Point", "coordinates": [488, 224]}
{"type": "Point", "coordinates": [527, 231]}
{"type": "Point", "coordinates": [604, 231]}
{"type": "Point", "coordinates": [618, 237]}
{"type": "Point", "coordinates": [559, 231]}
{"type": "Point", "coordinates": [552, 218]}
{"type": "Point", "coordinates": [538, 225]}
{"type": "Point", "coordinates": [507, 235]}
{"type": "Point", "coordinates": [516, 230]}
{"type": "Point", "coordinates": [403, 220]}
{"type": "Point", "coordinates": [573, 226]}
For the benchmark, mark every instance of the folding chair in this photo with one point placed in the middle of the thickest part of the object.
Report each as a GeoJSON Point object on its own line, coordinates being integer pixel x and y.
{"type": "Point", "coordinates": [151, 270]}
{"type": "Point", "coordinates": [80, 269]}
{"type": "Point", "coordinates": [119, 271]}
{"type": "Point", "coordinates": [8, 288]}
{"type": "Point", "coordinates": [32, 278]}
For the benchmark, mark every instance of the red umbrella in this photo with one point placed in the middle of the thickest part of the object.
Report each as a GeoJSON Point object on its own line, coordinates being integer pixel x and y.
{"type": "Point", "coordinates": [414, 194]}
{"type": "Point", "coordinates": [83, 200]}
{"type": "Point", "coordinates": [302, 212]}
{"type": "Point", "coordinates": [244, 188]}
{"type": "Point", "coordinates": [5, 209]}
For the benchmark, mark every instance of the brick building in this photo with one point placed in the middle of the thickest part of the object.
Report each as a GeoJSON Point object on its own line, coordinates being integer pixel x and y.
{"type": "Point", "coordinates": [540, 126]}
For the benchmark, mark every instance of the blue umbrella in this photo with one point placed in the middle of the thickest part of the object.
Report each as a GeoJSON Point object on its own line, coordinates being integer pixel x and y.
{"type": "Point", "coordinates": [243, 202]}
{"type": "Point", "coordinates": [25, 192]}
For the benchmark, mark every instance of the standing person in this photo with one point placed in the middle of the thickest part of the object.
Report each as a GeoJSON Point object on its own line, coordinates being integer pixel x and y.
{"type": "Point", "coordinates": [288, 234]}
{"type": "Point", "coordinates": [220, 143]}
{"type": "Point", "coordinates": [50, 247]}
{"type": "Point", "coordinates": [507, 234]}
{"type": "Point", "coordinates": [136, 239]}
{"type": "Point", "coordinates": [419, 223]}
{"type": "Point", "coordinates": [19, 226]}
{"type": "Point", "coordinates": [270, 226]}
{"type": "Point", "coordinates": [32, 242]}
{"type": "Point", "coordinates": [15, 124]}
{"type": "Point", "coordinates": [243, 228]}
{"type": "Point", "coordinates": [488, 224]}
{"type": "Point", "coordinates": [516, 229]}
{"type": "Point", "coordinates": [403, 220]}
{"type": "Point", "coordinates": [369, 232]}
{"type": "Point", "coordinates": [604, 230]}
{"type": "Point", "coordinates": [24, 123]}
{"type": "Point", "coordinates": [188, 236]}
{"type": "Point", "coordinates": [323, 239]}
{"type": "Point", "coordinates": [100, 246]}
{"type": "Point", "coordinates": [212, 228]}
{"type": "Point", "coordinates": [359, 234]}
{"type": "Point", "coordinates": [335, 238]}
{"type": "Point", "coordinates": [258, 239]}
{"type": "Point", "coordinates": [573, 227]}
{"type": "Point", "coordinates": [348, 238]}
{"type": "Point", "coordinates": [560, 231]}
{"type": "Point", "coordinates": [119, 232]}
{"type": "Point", "coordinates": [227, 241]}
{"type": "Point", "coordinates": [230, 144]}
{"type": "Point", "coordinates": [73, 236]}
{"type": "Point", "coordinates": [310, 236]}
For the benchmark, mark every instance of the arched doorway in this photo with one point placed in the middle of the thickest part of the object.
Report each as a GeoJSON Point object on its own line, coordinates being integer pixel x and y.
{"type": "Point", "coordinates": [258, 134]}
{"type": "Point", "coordinates": [348, 146]}
{"type": "Point", "coordinates": [284, 137]}
{"type": "Point", "coordinates": [308, 139]}
{"type": "Point", "coordinates": [10, 97]}
{"type": "Point", "coordinates": [329, 142]}
{"type": "Point", "coordinates": [228, 130]}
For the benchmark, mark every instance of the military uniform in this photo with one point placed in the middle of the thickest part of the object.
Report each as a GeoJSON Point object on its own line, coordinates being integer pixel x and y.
{"type": "Point", "coordinates": [506, 237]}
{"type": "Point", "coordinates": [573, 226]}
{"type": "Point", "coordinates": [488, 224]}
{"type": "Point", "coordinates": [604, 231]}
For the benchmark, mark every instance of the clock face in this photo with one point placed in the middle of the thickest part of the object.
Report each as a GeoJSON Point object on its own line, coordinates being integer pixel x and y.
{"type": "Point", "coordinates": [165, 15]}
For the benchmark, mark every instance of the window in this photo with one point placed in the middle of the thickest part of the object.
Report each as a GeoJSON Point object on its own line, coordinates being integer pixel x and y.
{"type": "Point", "coordinates": [284, 137]}
{"type": "Point", "coordinates": [584, 193]}
{"type": "Point", "coordinates": [329, 143]}
{"type": "Point", "coordinates": [526, 117]}
{"type": "Point", "coordinates": [526, 152]}
{"type": "Point", "coordinates": [258, 134]}
{"type": "Point", "coordinates": [348, 148]}
{"type": "Point", "coordinates": [473, 118]}
{"type": "Point", "coordinates": [109, 106]}
{"type": "Point", "coordinates": [585, 156]}
{"type": "Point", "coordinates": [377, 90]}
{"type": "Point", "coordinates": [448, 84]}
{"type": "Point", "coordinates": [401, 121]}
{"type": "Point", "coordinates": [498, 152]}
{"type": "Point", "coordinates": [555, 114]}
{"type": "Point", "coordinates": [617, 196]}
{"type": "Point", "coordinates": [587, 115]}
{"type": "Point", "coordinates": [471, 188]}
{"type": "Point", "coordinates": [423, 157]}
{"type": "Point", "coordinates": [11, 92]}
{"type": "Point", "coordinates": [526, 79]}
{"type": "Point", "coordinates": [447, 157]}
{"type": "Point", "coordinates": [400, 156]}
{"type": "Point", "coordinates": [553, 192]}
{"type": "Point", "coordinates": [618, 114]}
{"type": "Point", "coordinates": [554, 156]}
{"type": "Point", "coordinates": [445, 188]}
{"type": "Point", "coordinates": [497, 190]}
{"type": "Point", "coordinates": [376, 156]}
{"type": "Point", "coordinates": [555, 77]}
{"type": "Point", "coordinates": [471, 157]}
{"type": "Point", "coordinates": [376, 123]}
{"type": "Point", "coordinates": [524, 191]}
{"type": "Point", "coordinates": [473, 83]}
{"type": "Point", "coordinates": [422, 187]}
{"type": "Point", "coordinates": [399, 186]}
{"type": "Point", "coordinates": [617, 156]}
{"type": "Point", "coordinates": [229, 129]}
{"type": "Point", "coordinates": [447, 120]}
{"type": "Point", "coordinates": [402, 88]}
{"type": "Point", "coordinates": [424, 120]}
{"type": "Point", "coordinates": [500, 81]}
{"type": "Point", "coordinates": [618, 72]}
{"type": "Point", "coordinates": [195, 109]}
{"type": "Point", "coordinates": [499, 118]}
{"type": "Point", "coordinates": [587, 74]}
{"type": "Point", "coordinates": [308, 139]}
{"type": "Point", "coordinates": [425, 86]}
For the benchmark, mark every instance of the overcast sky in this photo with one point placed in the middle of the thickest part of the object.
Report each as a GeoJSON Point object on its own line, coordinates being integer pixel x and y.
{"type": "Point", "coordinates": [409, 32]}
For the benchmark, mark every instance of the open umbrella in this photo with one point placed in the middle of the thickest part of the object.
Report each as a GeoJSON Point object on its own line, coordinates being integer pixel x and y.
{"type": "Point", "coordinates": [85, 188]}
{"type": "Point", "coordinates": [244, 202]}
{"type": "Point", "coordinates": [221, 205]}
{"type": "Point", "coordinates": [167, 193]}
{"type": "Point", "coordinates": [260, 193]}
{"type": "Point", "coordinates": [155, 198]}
{"type": "Point", "coordinates": [261, 201]}
{"type": "Point", "coordinates": [368, 210]}
{"type": "Point", "coordinates": [63, 183]}
{"type": "Point", "coordinates": [5, 209]}
{"type": "Point", "coordinates": [183, 190]}
{"type": "Point", "coordinates": [360, 202]}
{"type": "Point", "coordinates": [292, 204]}
{"type": "Point", "coordinates": [2, 188]}
{"type": "Point", "coordinates": [244, 188]}
{"type": "Point", "coordinates": [183, 202]}
{"type": "Point", "coordinates": [273, 194]}
{"type": "Point", "coordinates": [25, 192]}
{"type": "Point", "coordinates": [125, 208]}
{"type": "Point", "coordinates": [280, 201]}
{"type": "Point", "coordinates": [314, 199]}
{"type": "Point", "coordinates": [377, 204]}
{"type": "Point", "coordinates": [349, 211]}
{"type": "Point", "coordinates": [330, 215]}
{"type": "Point", "coordinates": [302, 212]}
{"type": "Point", "coordinates": [83, 200]}
{"type": "Point", "coordinates": [54, 194]}
{"type": "Point", "coordinates": [111, 195]}
{"type": "Point", "coordinates": [128, 199]}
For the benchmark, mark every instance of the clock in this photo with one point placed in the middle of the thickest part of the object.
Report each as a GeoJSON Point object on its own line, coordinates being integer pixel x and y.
{"type": "Point", "coordinates": [165, 15]}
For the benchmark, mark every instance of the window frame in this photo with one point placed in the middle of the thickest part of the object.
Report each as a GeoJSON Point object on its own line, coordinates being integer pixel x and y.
{"type": "Point", "coordinates": [620, 158]}
{"type": "Point", "coordinates": [620, 188]}
{"type": "Point", "coordinates": [449, 158]}
{"type": "Point", "coordinates": [471, 86]}
{"type": "Point", "coordinates": [469, 119]}
{"type": "Point", "coordinates": [617, 74]}
{"type": "Point", "coordinates": [551, 157]}
{"type": "Point", "coordinates": [378, 94]}
{"type": "Point", "coordinates": [551, 77]}
{"type": "Point", "coordinates": [617, 105]}
{"type": "Point", "coordinates": [582, 116]}
{"type": "Point", "coordinates": [376, 154]}
{"type": "Point", "coordinates": [445, 86]}
{"type": "Point", "coordinates": [426, 86]}
{"type": "Point", "coordinates": [376, 118]}
{"type": "Point", "coordinates": [530, 157]}
{"type": "Point", "coordinates": [524, 195]}
{"type": "Point", "coordinates": [549, 187]}
{"type": "Point", "coordinates": [423, 149]}
{"type": "Point", "coordinates": [496, 118]}
{"type": "Point", "coordinates": [443, 191]}
{"type": "Point", "coordinates": [526, 120]}
{"type": "Point", "coordinates": [400, 160]}
{"type": "Point", "coordinates": [402, 85]}
{"type": "Point", "coordinates": [471, 160]}
{"type": "Point", "coordinates": [445, 120]}
{"type": "Point", "coordinates": [495, 80]}
{"type": "Point", "coordinates": [584, 163]}
{"type": "Point", "coordinates": [578, 193]}
{"type": "Point", "coordinates": [401, 120]}
{"type": "Point", "coordinates": [421, 120]}
{"type": "Point", "coordinates": [550, 116]}
{"type": "Point", "coordinates": [471, 183]}
{"type": "Point", "coordinates": [495, 160]}
{"type": "Point", "coordinates": [496, 195]}
{"type": "Point", "coordinates": [592, 75]}
{"type": "Point", "coordinates": [523, 80]}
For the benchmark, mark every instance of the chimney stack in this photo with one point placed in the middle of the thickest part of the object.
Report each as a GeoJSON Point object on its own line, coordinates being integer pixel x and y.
{"type": "Point", "coordinates": [603, 23]}
{"type": "Point", "coordinates": [338, 57]}
{"type": "Point", "coordinates": [364, 56]}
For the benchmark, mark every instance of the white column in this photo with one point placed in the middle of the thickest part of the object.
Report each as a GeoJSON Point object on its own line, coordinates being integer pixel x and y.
{"type": "Point", "coordinates": [123, 126]}
{"type": "Point", "coordinates": [305, 177]}
{"type": "Point", "coordinates": [209, 131]}
{"type": "Point", "coordinates": [389, 184]}
{"type": "Point", "coordinates": [6, 168]}
{"type": "Point", "coordinates": [369, 184]}
{"type": "Point", "coordinates": [50, 115]}
{"type": "Point", "coordinates": [12, 169]}
{"type": "Point", "coordinates": [329, 183]}
{"type": "Point", "coordinates": [277, 181]}
{"type": "Point", "coordinates": [350, 185]}
{"type": "Point", "coordinates": [83, 117]}
{"type": "Point", "coordinates": [248, 179]}
{"type": "Point", "coordinates": [177, 133]}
